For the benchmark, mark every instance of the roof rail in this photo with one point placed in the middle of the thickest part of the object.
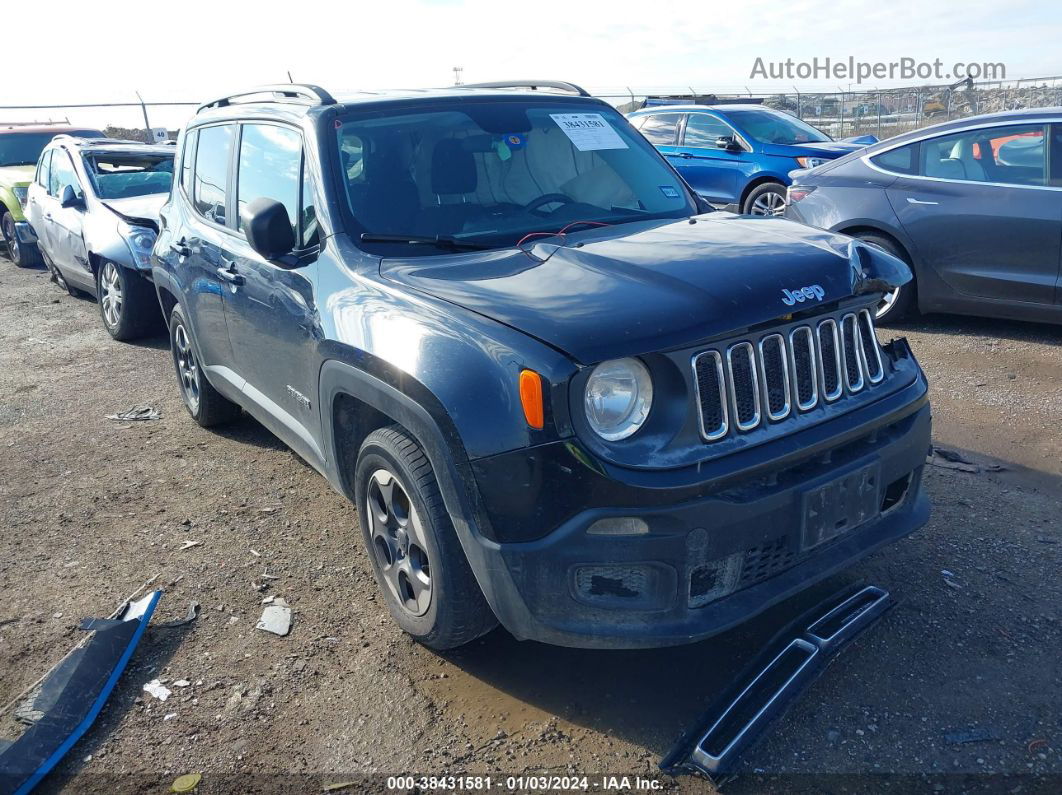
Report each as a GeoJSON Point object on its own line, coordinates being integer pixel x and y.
{"type": "Point", "coordinates": [290, 92]}
{"type": "Point", "coordinates": [534, 85]}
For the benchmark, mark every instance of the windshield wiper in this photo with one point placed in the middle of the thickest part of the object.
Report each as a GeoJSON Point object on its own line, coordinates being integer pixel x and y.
{"type": "Point", "coordinates": [439, 241]}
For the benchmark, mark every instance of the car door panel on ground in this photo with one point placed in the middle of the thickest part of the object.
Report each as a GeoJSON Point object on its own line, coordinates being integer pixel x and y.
{"type": "Point", "coordinates": [270, 308]}
{"type": "Point", "coordinates": [981, 213]}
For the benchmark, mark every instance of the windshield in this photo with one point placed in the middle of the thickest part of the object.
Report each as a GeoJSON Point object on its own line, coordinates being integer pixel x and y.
{"type": "Point", "coordinates": [23, 149]}
{"type": "Point", "coordinates": [123, 176]}
{"type": "Point", "coordinates": [491, 173]}
{"type": "Point", "coordinates": [770, 127]}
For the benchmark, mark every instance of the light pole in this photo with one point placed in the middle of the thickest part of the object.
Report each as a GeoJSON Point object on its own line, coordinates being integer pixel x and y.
{"type": "Point", "coordinates": [457, 75]}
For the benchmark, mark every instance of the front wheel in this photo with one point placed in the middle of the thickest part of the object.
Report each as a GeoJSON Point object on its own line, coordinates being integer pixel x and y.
{"type": "Point", "coordinates": [127, 302]}
{"type": "Point", "coordinates": [765, 199]}
{"type": "Point", "coordinates": [24, 255]}
{"type": "Point", "coordinates": [416, 557]}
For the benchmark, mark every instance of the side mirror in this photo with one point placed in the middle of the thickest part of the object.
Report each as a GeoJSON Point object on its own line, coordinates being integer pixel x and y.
{"type": "Point", "coordinates": [727, 142]}
{"type": "Point", "coordinates": [68, 198]}
{"type": "Point", "coordinates": [267, 228]}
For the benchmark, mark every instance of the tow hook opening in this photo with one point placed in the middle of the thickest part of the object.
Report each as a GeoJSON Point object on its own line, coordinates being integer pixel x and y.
{"type": "Point", "coordinates": [895, 493]}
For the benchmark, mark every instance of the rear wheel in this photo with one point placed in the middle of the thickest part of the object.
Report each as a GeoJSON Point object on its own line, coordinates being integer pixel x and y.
{"type": "Point", "coordinates": [765, 199]}
{"type": "Point", "coordinates": [24, 255]}
{"type": "Point", "coordinates": [416, 557]}
{"type": "Point", "coordinates": [127, 302]}
{"type": "Point", "coordinates": [899, 302]}
{"type": "Point", "coordinates": [207, 406]}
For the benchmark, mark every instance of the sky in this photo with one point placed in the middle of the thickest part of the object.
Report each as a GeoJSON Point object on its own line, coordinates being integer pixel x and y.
{"type": "Point", "coordinates": [191, 50]}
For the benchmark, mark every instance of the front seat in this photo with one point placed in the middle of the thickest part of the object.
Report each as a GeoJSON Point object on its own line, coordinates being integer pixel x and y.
{"type": "Point", "coordinates": [388, 202]}
{"type": "Point", "coordinates": [453, 178]}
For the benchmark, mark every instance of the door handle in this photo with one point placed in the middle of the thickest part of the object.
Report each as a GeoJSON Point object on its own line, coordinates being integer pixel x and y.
{"type": "Point", "coordinates": [229, 274]}
{"type": "Point", "coordinates": [683, 155]}
{"type": "Point", "coordinates": [181, 249]}
{"type": "Point", "coordinates": [919, 201]}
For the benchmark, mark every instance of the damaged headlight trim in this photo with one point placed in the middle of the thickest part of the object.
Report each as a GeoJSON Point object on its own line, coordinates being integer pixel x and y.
{"type": "Point", "coordinates": [140, 240]}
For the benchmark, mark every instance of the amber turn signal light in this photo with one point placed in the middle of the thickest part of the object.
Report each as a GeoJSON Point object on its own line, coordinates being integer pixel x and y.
{"type": "Point", "coordinates": [531, 398]}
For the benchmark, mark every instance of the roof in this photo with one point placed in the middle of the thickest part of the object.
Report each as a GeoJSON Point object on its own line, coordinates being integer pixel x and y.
{"type": "Point", "coordinates": [112, 145]}
{"type": "Point", "coordinates": [299, 99]}
{"type": "Point", "coordinates": [1024, 115]}
{"type": "Point", "coordinates": [692, 108]}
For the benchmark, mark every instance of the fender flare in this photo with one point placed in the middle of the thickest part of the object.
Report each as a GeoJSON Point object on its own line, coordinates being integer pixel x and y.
{"type": "Point", "coordinates": [452, 472]}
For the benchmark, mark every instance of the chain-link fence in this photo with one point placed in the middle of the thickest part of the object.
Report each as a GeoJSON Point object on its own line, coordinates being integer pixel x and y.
{"type": "Point", "coordinates": [882, 113]}
{"type": "Point", "coordinates": [840, 114]}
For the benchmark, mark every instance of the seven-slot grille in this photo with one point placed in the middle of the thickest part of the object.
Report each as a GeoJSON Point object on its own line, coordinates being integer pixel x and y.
{"type": "Point", "coordinates": [742, 385]}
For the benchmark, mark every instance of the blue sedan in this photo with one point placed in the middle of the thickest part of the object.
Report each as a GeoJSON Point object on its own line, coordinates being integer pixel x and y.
{"type": "Point", "coordinates": [738, 155]}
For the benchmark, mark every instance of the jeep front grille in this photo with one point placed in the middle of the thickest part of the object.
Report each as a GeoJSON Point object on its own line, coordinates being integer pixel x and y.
{"type": "Point", "coordinates": [745, 383]}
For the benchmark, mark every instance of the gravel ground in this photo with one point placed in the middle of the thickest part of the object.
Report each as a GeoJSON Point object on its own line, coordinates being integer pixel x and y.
{"type": "Point", "coordinates": [93, 508]}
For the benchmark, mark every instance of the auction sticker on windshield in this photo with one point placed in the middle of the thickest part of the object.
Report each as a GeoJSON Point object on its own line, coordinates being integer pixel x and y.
{"type": "Point", "coordinates": [588, 131]}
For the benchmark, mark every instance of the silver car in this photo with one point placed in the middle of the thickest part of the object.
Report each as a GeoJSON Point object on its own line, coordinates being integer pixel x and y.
{"type": "Point", "coordinates": [974, 206]}
{"type": "Point", "coordinates": [94, 207]}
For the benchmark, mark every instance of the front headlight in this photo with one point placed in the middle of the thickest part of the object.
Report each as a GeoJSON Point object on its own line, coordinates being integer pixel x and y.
{"type": "Point", "coordinates": [618, 396]}
{"type": "Point", "coordinates": [140, 240]}
{"type": "Point", "coordinates": [812, 162]}
{"type": "Point", "coordinates": [21, 192]}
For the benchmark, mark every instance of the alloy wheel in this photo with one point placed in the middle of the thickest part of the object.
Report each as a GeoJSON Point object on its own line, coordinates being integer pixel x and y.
{"type": "Point", "coordinates": [398, 542]}
{"type": "Point", "coordinates": [111, 295]}
{"type": "Point", "coordinates": [11, 238]}
{"type": "Point", "coordinates": [768, 203]}
{"type": "Point", "coordinates": [187, 367]}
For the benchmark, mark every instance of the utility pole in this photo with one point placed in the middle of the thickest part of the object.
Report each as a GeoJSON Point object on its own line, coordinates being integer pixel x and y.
{"type": "Point", "coordinates": [457, 75]}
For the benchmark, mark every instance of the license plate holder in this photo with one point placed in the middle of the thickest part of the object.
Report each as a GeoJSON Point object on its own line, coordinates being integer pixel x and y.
{"type": "Point", "coordinates": [840, 506]}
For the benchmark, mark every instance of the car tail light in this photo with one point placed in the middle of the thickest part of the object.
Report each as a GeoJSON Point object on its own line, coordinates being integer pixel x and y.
{"type": "Point", "coordinates": [798, 192]}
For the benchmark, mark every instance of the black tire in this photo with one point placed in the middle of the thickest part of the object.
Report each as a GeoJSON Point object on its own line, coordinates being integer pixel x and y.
{"type": "Point", "coordinates": [454, 612]}
{"type": "Point", "coordinates": [206, 405]}
{"type": "Point", "coordinates": [905, 299]}
{"type": "Point", "coordinates": [128, 306]}
{"type": "Point", "coordinates": [24, 255]}
{"type": "Point", "coordinates": [768, 196]}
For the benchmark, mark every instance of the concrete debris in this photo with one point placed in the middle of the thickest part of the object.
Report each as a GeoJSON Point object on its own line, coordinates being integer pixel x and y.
{"type": "Point", "coordinates": [276, 618]}
{"type": "Point", "coordinates": [157, 689]}
{"type": "Point", "coordinates": [189, 545]}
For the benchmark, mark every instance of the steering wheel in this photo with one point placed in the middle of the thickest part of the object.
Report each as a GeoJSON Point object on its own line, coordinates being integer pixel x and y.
{"type": "Point", "coordinates": [548, 198]}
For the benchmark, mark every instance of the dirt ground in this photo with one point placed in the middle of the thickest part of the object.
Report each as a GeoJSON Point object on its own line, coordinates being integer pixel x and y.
{"type": "Point", "coordinates": [91, 508]}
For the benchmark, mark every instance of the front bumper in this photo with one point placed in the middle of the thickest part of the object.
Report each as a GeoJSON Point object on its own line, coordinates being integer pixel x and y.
{"type": "Point", "coordinates": [709, 561]}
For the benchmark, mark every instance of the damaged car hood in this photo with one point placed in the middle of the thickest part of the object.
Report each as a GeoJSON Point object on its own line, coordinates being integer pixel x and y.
{"type": "Point", "coordinates": [139, 209]}
{"type": "Point", "coordinates": [653, 286]}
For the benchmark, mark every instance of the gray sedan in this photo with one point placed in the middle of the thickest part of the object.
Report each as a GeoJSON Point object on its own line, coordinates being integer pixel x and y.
{"type": "Point", "coordinates": [974, 206]}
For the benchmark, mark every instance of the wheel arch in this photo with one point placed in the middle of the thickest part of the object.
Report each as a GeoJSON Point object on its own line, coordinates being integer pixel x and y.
{"type": "Point", "coordinates": [754, 183]}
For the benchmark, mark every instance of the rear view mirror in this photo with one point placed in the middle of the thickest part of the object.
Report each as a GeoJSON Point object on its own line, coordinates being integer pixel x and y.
{"type": "Point", "coordinates": [68, 198]}
{"type": "Point", "coordinates": [727, 142]}
{"type": "Point", "coordinates": [267, 227]}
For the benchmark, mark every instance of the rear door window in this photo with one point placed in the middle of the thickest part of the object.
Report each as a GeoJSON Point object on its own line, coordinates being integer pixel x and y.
{"type": "Point", "coordinates": [212, 172]}
{"type": "Point", "coordinates": [1013, 155]}
{"type": "Point", "coordinates": [188, 161]}
{"type": "Point", "coordinates": [662, 128]}
{"type": "Point", "coordinates": [43, 168]}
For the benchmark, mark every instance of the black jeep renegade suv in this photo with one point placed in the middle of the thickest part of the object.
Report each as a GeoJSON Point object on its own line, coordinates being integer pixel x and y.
{"type": "Point", "coordinates": [562, 393]}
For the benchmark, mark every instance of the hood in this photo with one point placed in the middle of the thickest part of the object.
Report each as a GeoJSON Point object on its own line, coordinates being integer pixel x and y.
{"type": "Point", "coordinates": [655, 285]}
{"type": "Point", "coordinates": [139, 209]}
{"type": "Point", "coordinates": [817, 149]}
{"type": "Point", "coordinates": [17, 175]}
